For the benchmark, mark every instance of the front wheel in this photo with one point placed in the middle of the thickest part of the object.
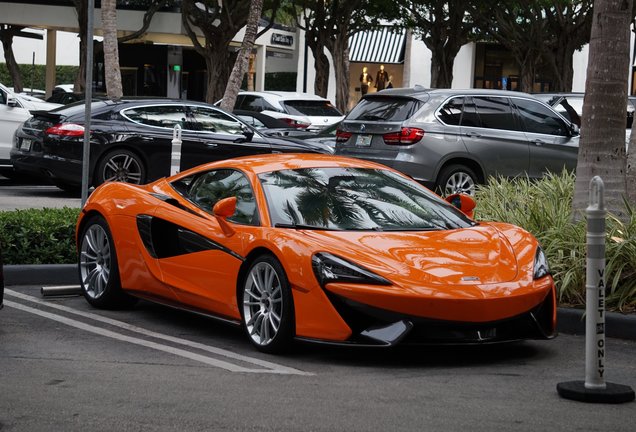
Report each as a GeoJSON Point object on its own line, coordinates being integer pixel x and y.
{"type": "Point", "coordinates": [455, 179]}
{"type": "Point", "coordinates": [98, 269]}
{"type": "Point", "coordinates": [121, 165]}
{"type": "Point", "coordinates": [266, 305]}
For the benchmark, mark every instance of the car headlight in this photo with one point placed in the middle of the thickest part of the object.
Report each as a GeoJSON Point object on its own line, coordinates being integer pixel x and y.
{"type": "Point", "coordinates": [541, 267]}
{"type": "Point", "coordinates": [330, 268]}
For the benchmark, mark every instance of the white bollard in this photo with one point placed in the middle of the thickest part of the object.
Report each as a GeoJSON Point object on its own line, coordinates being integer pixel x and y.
{"type": "Point", "coordinates": [595, 288]}
{"type": "Point", "coordinates": [175, 159]}
{"type": "Point", "coordinates": [594, 388]}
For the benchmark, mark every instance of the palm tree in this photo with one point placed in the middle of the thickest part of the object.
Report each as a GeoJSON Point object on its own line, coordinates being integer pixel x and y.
{"type": "Point", "coordinates": [111, 51]}
{"type": "Point", "coordinates": [602, 145]}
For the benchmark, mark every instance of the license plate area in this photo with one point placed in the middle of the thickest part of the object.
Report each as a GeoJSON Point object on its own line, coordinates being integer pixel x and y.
{"type": "Point", "coordinates": [25, 144]}
{"type": "Point", "coordinates": [363, 141]}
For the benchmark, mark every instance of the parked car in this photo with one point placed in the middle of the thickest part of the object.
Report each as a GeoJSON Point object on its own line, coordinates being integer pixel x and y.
{"type": "Point", "coordinates": [265, 124]}
{"type": "Point", "coordinates": [452, 140]}
{"type": "Point", "coordinates": [300, 110]}
{"type": "Point", "coordinates": [131, 140]}
{"type": "Point", "coordinates": [317, 248]}
{"type": "Point", "coordinates": [14, 110]}
{"type": "Point", "coordinates": [65, 98]}
{"type": "Point", "coordinates": [570, 106]}
{"type": "Point", "coordinates": [326, 138]}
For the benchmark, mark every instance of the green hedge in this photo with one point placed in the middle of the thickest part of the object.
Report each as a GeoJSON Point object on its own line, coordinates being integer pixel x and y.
{"type": "Point", "coordinates": [38, 236]}
{"type": "Point", "coordinates": [36, 75]}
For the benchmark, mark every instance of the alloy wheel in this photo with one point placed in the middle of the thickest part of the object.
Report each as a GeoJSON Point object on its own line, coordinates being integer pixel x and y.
{"type": "Point", "coordinates": [95, 261]}
{"type": "Point", "coordinates": [460, 182]}
{"type": "Point", "coordinates": [263, 303]}
{"type": "Point", "coordinates": [122, 167]}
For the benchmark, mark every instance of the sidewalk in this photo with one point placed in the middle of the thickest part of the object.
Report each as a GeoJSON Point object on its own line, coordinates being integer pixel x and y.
{"type": "Point", "coordinates": [569, 321]}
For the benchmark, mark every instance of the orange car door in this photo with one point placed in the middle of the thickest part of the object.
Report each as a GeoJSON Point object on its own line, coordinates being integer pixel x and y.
{"type": "Point", "coordinates": [201, 261]}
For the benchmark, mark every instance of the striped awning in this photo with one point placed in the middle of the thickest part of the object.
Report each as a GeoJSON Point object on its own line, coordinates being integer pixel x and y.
{"type": "Point", "coordinates": [385, 45]}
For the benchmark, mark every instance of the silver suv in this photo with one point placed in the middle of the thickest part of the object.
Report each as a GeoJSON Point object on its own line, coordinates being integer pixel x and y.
{"type": "Point", "coordinates": [452, 140]}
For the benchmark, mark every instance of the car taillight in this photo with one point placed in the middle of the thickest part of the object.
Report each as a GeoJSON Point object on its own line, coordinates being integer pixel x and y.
{"type": "Point", "coordinates": [296, 123]}
{"type": "Point", "coordinates": [342, 136]}
{"type": "Point", "coordinates": [66, 129]}
{"type": "Point", "coordinates": [406, 136]}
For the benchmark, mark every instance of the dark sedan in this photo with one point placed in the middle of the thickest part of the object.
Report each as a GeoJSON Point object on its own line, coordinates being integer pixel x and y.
{"type": "Point", "coordinates": [131, 140]}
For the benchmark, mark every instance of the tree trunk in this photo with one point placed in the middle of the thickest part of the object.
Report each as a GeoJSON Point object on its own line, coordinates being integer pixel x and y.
{"type": "Point", "coordinates": [112, 72]}
{"type": "Point", "coordinates": [526, 74]}
{"type": "Point", "coordinates": [242, 60]}
{"type": "Point", "coordinates": [321, 65]}
{"type": "Point", "coordinates": [339, 48]}
{"type": "Point", "coordinates": [82, 20]}
{"type": "Point", "coordinates": [442, 61]}
{"type": "Point", "coordinates": [602, 145]}
{"type": "Point", "coordinates": [219, 67]}
{"type": "Point", "coordinates": [631, 170]}
{"type": "Point", "coordinates": [14, 71]}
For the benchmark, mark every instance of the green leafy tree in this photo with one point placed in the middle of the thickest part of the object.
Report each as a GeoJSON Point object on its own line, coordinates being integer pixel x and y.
{"type": "Point", "coordinates": [444, 26]}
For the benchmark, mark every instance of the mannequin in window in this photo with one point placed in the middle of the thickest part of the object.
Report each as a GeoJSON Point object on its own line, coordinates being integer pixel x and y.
{"type": "Point", "coordinates": [381, 78]}
{"type": "Point", "coordinates": [365, 80]}
{"type": "Point", "coordinates": [389, 83]}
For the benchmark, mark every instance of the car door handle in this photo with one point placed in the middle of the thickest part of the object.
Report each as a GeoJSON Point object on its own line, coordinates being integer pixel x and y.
{"type": "Point", "coordinates": [472, 134]}
{"type": "Point", "coordinates": [537, 142]}
{"type": "Point", "coordinates": [211, 144]}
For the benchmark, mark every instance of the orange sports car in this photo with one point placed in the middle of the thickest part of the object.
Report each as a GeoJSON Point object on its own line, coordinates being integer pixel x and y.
{"type": "Point", "coordinates": [318, 248]}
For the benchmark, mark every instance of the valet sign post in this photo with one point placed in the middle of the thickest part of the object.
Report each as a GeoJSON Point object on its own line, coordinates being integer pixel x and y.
{"type": "Point", "coordinates": [595, 389]}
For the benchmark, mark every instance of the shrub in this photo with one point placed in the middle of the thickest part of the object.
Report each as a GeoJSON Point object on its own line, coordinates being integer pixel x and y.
{"type": "Point", "coordinates": [38, 236]}
{"type": "Point", "coordinates": [544, 208]}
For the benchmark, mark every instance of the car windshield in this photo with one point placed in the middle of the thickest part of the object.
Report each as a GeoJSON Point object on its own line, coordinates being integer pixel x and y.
{"type": "Point", "coordinates": [350, 199]}
{"type": "Point", "coordinates": [386, 108]}
{"type": "Point", "coordinates": [311, 108]}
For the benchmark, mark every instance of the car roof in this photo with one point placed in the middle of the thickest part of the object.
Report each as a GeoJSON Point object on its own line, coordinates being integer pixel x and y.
{"type": "Point", "coordinates": [420, 92]}
{"type": "Point", "coordinates": [287, 95]}
{"type": "Point", "coordinates": [259, 164]}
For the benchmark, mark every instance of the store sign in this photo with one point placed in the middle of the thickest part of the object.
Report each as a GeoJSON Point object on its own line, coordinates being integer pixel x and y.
{"type": "Point", "coordinates": [282, 39]}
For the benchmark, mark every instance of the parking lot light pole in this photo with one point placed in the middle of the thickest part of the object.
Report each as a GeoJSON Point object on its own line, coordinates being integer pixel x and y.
{"type": "Point", "coordinates": [88, 88]}
{"type": "Point", "coordinates": [594, 388]}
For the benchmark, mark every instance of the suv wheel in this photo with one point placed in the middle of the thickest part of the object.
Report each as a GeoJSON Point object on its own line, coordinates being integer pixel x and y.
{"type": "Point", "coordinates": [456, 179]}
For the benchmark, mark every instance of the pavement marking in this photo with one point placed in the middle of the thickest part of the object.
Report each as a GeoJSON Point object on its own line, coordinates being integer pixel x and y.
{"type": "Point", "coordinates": [270, 367]}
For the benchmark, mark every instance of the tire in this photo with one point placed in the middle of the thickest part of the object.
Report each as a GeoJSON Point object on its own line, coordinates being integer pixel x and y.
{"type": "Point", "coordinates": [98, 269]}
{"type": "Point", "coordinates": [456, 179]}
{"type": "Point", "coordinates": [120, 165]}
{"type": "Point", "coordinates": [266, 304]}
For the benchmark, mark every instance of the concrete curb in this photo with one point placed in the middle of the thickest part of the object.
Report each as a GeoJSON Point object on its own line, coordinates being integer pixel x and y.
{"type": "Point", "coordinates": [570, 321]}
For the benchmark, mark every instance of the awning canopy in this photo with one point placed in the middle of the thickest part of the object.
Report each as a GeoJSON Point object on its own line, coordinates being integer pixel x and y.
{"type": "Point", "coordinates": [385, 45]}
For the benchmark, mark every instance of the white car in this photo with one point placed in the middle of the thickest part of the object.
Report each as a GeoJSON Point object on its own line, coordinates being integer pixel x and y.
{"type": "Point", "coordinates": [15, 110]}
{"type": "Point", "coordinates": [300, 110]}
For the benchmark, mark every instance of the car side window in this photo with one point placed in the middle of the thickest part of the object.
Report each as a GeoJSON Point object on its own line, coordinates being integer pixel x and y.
{"type": "Point", "coordinates": [210, 187]}
{"type": "Point", "coordinates": [451, 112]}
{"type": "Point", "coordinates": [252, 103]}
{"type": "Point", "coordinates": [3, 98]}
{"type": "Point", "coordinates": [213, 120]}
{"type": "Point", "coordinates": [495, 112]}
{"type": "Point", "coordinates": [538, 118]}
{"type": "Point", "coordinates": [470, 117]}
{"type": "Point", "coordinates": [165, 116]}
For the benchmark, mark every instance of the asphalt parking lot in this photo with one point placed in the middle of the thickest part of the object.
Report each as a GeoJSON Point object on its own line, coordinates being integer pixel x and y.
{"type": "Point", "coordinates": [67, 366]}
{"type": "Point", "coordinates": [32, 193]}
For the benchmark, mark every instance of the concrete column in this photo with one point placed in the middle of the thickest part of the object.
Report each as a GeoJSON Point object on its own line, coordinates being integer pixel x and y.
{"type": "Point", "coordinates": [261, 58]}
{"type": "Point", "coordinates": [51, 47]}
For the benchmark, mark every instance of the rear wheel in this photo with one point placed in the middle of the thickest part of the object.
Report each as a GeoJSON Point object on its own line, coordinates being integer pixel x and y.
{"type": "Point", "coordinates": [266, 305]}
{"type": "Point", "coordinates": [121, 165]}
{"type": "Point", "coordinates": [98, 269]}
{"type": "Point", "coordinates": [455, 179]}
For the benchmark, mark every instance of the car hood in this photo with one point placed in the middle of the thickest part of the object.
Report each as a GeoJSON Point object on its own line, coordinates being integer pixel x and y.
{"type": "Point", "coordinates": [468, 256]}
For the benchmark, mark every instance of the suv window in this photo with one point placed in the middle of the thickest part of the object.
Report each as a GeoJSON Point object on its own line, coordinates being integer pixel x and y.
{"type": "Point", "coordinates": [165, 116]}
{"type": "Point", "coordinates": [311, 108]}
{"type": "Point", "coordinates": [451, 112]}
{"type": "Point", "coordinates": [209, 188]}
{"type": "Point", "coordinates": [385, 108]}
{"type": "Point", "coordinates": [495, 112]}
{"type": "Point", "coordinates": [251, 103]}
{"type": "Point", "coordinates": [470, 117]}
{"type": "Point", "coordinates": [538, 118]}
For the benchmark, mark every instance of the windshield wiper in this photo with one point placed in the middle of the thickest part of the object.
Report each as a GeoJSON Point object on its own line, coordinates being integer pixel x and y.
{"type": "Point", "coordinates": [302, 226]}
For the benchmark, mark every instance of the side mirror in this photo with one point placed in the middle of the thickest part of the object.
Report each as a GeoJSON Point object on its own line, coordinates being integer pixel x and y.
{"type": "Point", "coordinates": [249, 133]}
{"type": "Point", "coordinates": [11, 101]}
{"type": "Point", "coordinates": [465, 203]}
{"type": "Point", "coordinates": [222, 210]}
